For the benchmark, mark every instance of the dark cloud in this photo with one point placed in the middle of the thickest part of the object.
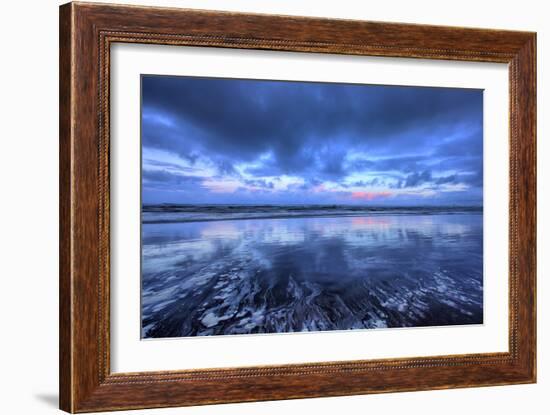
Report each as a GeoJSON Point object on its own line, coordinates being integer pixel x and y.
{"type": "Point", "coordinates": [167, 166]}
{"type": "Point", "coordinates": [242, 118]}
{"type": "Point", "coordinates": [368, 183]}
{"type": "Point", "coordinates": [226, 168]}
{"type": "Point", "coordinates": [404, 164]}
{"type": "Point", "coordinates": [453, 178]}
{"type": "Point", "coordinates": [416, 179]}
{"type": "Point", "coordinates": [405, 136]}
{"type": "Point", "coordinates": [168, 180]}
{"type": "Point", "coordinates": [259, 183]}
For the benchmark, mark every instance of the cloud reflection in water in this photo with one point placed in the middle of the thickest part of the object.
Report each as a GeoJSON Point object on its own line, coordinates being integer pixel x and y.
{"type": "Point", "coordinates": [311, 273]}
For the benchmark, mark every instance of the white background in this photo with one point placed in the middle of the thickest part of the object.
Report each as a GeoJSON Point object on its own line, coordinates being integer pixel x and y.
{"type": "Point", "coordinates": [29, 171]}
{"type": "Point", "coordinates": [129, 354]}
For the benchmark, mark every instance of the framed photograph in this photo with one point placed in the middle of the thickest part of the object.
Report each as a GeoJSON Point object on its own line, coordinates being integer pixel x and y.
{"type": "Point", "coordinates": [258, 207]}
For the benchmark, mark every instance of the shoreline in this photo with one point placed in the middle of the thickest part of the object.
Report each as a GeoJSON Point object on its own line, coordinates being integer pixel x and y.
{"type": "Point", "coordinates": [307, 215]}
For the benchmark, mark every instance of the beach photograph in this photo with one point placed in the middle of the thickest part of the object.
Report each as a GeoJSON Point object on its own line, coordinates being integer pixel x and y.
{"type": "Point", "coordinates": [282, 206]}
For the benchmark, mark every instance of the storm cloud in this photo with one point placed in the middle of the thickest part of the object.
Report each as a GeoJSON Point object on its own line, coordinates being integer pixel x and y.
{"type": "Point", "coordinates": [208, 140]}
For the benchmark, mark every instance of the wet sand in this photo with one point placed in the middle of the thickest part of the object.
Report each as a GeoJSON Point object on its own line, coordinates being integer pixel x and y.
{"type": "Point", "coordinates": [279, 275]}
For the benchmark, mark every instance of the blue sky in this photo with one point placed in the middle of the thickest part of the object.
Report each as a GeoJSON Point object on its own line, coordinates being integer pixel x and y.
{"type": "Point", "coordinates": [207, 140]}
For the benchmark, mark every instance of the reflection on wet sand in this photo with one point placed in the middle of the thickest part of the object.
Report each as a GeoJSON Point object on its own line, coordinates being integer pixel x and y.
{"type": "Point", "coordinates": [311, 273]}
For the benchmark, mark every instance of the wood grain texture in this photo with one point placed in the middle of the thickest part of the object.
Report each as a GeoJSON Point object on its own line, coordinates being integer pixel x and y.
{"type": "Point", "coordinates": [65, 246]}
{"type": "Point", "coordinates": [86, 33]}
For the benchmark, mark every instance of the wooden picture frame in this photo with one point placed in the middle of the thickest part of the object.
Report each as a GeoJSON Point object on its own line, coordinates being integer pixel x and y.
{"type": "Point", "coordinates": [86, 33]}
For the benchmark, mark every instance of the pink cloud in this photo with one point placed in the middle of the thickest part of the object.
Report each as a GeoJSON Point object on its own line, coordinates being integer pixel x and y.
{"type": "Point", "coordinates": [370, 195]}
{"type": "Point", "coordinates": [320, 188]}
